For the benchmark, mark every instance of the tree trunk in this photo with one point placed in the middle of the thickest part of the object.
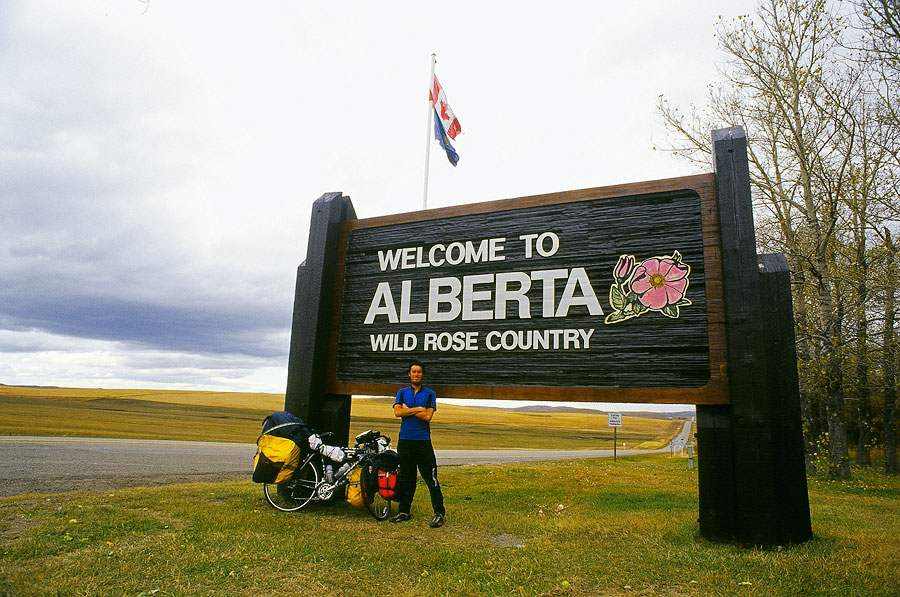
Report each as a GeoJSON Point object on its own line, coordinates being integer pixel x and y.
{"type": "Point", "coordinates": [812, 427]}
{"type": "Point", "coordinates": [839, 466]}
{"type": "Point", "coordinates": [891, 466]}
{"type": "Point", "coordinates": [864, 444]}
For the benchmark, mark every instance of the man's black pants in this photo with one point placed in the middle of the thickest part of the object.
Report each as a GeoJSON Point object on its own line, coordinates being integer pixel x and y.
{"type": "Point", "coordinates": [418, 454]}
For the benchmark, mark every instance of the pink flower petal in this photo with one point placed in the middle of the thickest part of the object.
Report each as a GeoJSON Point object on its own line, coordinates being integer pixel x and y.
{"type": "Point", "coordinates": [677, 272]}
{"type": "Point", "coordinates": [665, 265]}
{"type": "Point", "coordinates": [641, 280]}
{"type": "Point", "coordinates": [655, 298]}
{"type": "Point", "coordinates": [651, 265]}
{"type": "Point", "coordinates": [673, 292]}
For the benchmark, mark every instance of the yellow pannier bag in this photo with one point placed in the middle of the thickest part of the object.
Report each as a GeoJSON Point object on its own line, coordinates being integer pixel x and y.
{"type": "Point", "coordinates": [354, 490]}
{"type": "Point", "coordinates": [276, 459]}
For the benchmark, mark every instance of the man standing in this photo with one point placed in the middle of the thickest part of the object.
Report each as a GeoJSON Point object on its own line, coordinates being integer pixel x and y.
{"type": "Point", "coordinates": [415, 405]}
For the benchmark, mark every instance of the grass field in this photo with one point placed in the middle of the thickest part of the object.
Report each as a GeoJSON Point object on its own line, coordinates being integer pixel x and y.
{"type": "Point", "coordinates": [581, 528]}
{"type": "Point", "coordinates": [236, 417]}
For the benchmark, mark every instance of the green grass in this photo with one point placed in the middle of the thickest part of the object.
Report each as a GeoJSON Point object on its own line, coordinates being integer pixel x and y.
{"type": "Point", "coordinates": [576, 528]}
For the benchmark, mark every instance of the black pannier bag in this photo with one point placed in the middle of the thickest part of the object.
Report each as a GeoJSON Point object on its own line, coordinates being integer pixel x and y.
{"type": "Point", "coordinates": [283, 439]}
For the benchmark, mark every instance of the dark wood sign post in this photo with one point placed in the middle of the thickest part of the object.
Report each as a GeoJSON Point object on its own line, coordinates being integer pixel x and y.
{"type": "Point", "coordinates": [306, 395]}
{"type": "Point", "coordinates": [752, 478]}
{"type": "Point", "coordinates": [647, 293]}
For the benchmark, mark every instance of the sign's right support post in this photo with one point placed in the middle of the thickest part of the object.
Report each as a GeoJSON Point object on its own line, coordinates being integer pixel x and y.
{"type": "Point", "coordinates": [740, 476]}
{"type": "Point", "coordinates": [784, 396]}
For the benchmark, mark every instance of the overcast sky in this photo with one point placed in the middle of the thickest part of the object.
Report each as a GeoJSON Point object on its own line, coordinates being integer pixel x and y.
{"type": "Point", "coordinates": [158, 161]}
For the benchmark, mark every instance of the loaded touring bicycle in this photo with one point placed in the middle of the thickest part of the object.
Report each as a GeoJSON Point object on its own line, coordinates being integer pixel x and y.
{"type": "Point", "coordinates": [296, 467]}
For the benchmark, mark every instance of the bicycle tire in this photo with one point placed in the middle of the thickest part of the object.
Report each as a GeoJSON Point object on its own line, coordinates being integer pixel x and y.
{"type": "Point", "coordinates": [378, 507]}
{"type": "Point", "coordinates": [296, 493]}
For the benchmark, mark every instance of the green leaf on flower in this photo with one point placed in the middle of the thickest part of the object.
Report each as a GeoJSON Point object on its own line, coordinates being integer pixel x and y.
{"type": "Point", "coordinates": [670, 311]}
{"type": "Point", "coordinates": [615, 317]}
{"type": "Point", "coordinates": [616, 299]}
{"type": "Point", "coordinates": [684, 303]}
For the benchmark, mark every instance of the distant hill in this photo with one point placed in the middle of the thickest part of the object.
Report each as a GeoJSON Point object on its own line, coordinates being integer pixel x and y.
{"type": "Point", "coordinates": [544, 408]}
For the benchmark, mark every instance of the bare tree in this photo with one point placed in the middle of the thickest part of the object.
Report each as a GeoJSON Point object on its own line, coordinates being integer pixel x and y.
{"type": "Point", "coordinates": [790, 81]}
{"type": "Point", "coordinates": [881, 20]}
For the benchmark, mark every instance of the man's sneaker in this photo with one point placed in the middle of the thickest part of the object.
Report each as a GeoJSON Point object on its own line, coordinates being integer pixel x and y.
{"type": "Point", "coordinates": [400, 517]}
{"type": "Point", "coordinates": [437, 521]}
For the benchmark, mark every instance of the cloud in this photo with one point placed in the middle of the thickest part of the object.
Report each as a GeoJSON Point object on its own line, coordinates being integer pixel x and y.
{"type": "Point", "coordinates": [26, 357]}
{"type": "Point", "coordinates": [221, 328]}
{"type": "Point", "coordinates": [98, 132]}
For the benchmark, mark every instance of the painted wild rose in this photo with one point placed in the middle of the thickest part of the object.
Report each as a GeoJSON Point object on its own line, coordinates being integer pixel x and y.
{"type": "Point", "coordinates": [660, 282]}
{"type": "Point", "coordinates": [657, 284]}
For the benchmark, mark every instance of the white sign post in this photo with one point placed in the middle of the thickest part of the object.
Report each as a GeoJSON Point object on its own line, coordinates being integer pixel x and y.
{"type": "Point", "coordinates": [614, 420]}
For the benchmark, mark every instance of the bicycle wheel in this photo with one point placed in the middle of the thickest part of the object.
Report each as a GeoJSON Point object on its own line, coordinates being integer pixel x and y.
{"type": "Point", "coordinates": [377, 506]}
{"type": "Point", "coordinates": [296, 493]}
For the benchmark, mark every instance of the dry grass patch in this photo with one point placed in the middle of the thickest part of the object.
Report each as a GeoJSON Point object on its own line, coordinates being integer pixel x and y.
{"type": "Point", "coordinates": [480, 428]}
{"type": "Point", "coordinates": [236, 417]}
{"type": "Point", "coordinates": [240, 400]}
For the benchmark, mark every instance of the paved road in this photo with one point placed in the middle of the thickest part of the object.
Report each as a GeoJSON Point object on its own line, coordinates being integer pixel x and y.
{"type": "Point", "coordinates": [55, 464]}
{"type": "Point", "coordinates": [461, 457]}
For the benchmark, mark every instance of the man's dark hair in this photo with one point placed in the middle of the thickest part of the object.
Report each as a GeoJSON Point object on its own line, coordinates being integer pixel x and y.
{"type": "Point", "coordinates": [413, 364]}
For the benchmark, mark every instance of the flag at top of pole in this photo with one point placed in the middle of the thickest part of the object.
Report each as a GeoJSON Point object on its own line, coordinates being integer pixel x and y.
{"type": "Point", "coordinates": [446, 125]}
{"type": "Point", "coordinates": [439, 102]}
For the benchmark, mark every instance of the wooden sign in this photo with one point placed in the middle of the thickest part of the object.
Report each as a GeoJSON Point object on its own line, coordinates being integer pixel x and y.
{"type": "Point", "coordinates": [612, 294]}
{"type": "Point", "coordinates": [606, 294]}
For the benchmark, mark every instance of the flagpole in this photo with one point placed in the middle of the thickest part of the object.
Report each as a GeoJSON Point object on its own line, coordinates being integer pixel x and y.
{"type": "Point", "coordinates": [428, 133]}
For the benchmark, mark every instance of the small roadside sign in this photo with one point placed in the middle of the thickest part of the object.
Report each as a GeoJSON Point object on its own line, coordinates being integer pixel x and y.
{"type": "Point", "coordinates": [614, 420]}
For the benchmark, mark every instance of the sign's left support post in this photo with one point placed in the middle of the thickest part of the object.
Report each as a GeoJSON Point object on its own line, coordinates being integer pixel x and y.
{"type": "Point", "coordinates": [314, 302]}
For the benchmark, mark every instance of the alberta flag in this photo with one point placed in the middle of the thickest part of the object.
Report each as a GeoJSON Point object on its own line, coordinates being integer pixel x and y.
{"type": "Point", "coordinates": [446, 125]}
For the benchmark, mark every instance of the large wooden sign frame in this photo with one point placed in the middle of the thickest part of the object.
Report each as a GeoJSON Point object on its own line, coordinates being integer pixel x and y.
{"type": "Point", "coordinates": [590, 240]}
{"type": "Point", "coordinates": [725, 315]}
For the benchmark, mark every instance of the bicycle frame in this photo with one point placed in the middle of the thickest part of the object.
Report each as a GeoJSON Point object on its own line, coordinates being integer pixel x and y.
{"type": "Point", "coordinates": [316, 486]}
{"type": "Point", "coordinates": [324, 489]}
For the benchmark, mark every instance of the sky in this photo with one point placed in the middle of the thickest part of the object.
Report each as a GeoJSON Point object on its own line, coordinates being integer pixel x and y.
{"type": "Point", "coordinates": [159, 160]}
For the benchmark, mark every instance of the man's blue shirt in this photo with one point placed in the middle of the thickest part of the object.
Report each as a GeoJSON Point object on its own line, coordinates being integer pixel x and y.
{"type": "Point", "coordinates": [411, 427]}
